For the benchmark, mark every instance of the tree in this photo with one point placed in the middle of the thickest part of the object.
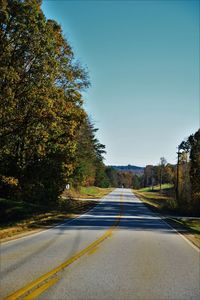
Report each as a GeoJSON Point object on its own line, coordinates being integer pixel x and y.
{"type": "Point", "coordinates": [169, 173]}
{"type": "Point", "coordinates": [183, 186]}
{"type": "Point", "coordinates": [148, 175]}
{"type": "Point", "coordinates": [40, 101]}
{"type": "Point", "coordinates": [125, 179]}
{"type": "Point", "coordinates": [189, 173]}
{"type": "Point", "coordinates": [90, 169]}
{"type": "Point", "coordinates": [137, 181]}
{"type": "Point", "coordinates": [194, 141]}
{"type": "Point", "coordinates": [101, 178]}
{"type": "Point", "coordinates": [112, 176]}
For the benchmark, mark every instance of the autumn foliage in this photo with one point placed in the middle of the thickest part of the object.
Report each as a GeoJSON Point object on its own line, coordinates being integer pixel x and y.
{"type": "Point", "coordinates": [41, 101]}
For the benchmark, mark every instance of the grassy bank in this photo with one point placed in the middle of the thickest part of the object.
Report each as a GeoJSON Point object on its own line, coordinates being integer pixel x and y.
{"type": "Point", "coordinates": [156, 188]}
{"type": "Point", "coordinates": [88, 192]}
{"type": "Point", "coordinates": [160, 200]}
{"type": "Point", "coordinates": [163, 202]}
{"type": "Point", "coordinates": [18, 217]}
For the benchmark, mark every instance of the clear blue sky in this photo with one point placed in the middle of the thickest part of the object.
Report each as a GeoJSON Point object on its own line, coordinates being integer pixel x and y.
{"type": "Point", "coordinates": [143, 62]}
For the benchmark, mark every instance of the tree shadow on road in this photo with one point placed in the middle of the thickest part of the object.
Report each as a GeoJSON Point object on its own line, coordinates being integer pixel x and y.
{"type": "Point", "coordinates": [133, 215]}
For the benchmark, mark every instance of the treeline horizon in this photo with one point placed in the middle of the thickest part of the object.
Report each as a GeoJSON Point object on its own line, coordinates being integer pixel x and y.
{"type": "Point", "coordinates": [184, 176]}
{"type": "Point", "coordinates": [46, 137]}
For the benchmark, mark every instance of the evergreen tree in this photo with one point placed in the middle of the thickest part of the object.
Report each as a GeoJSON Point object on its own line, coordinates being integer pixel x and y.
{"type": "Point", "coordinates": [90, 169]}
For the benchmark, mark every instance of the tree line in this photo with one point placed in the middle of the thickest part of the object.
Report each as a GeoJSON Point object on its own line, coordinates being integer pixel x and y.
{"type": "Point", "coordinates": [183, 176]}
{"type": "Point", "coordinates": [188, 173]}
{"type": "Point", "coordinates": [46, 137]}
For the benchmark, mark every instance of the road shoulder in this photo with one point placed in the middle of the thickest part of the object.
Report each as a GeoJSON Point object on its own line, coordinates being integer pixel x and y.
{"type": "Point", "coordinates": [175, 221]}
{"type": "Point", "coordinates": [44, 221]}
{"type": "Point", "coordinates": [73, 205]}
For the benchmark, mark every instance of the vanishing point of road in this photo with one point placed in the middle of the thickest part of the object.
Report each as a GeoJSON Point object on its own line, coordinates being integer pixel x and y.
{"type": "Point", "coordinates": [119, 250]}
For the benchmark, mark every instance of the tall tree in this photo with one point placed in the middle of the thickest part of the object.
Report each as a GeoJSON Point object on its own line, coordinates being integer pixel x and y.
{"type": "Point", "coordinates": [40, 100]}
{"type": "Point", "coordinates": [189, 173]}
{"type": "Point", "coordinates": [112, 176]}
{"type": "Point", "coordinates": [194, 141]}
{"type": "Point", "coordinates": [90, 169]}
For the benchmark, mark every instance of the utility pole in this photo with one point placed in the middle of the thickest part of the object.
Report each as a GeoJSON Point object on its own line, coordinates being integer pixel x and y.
{"type": "Point", "coordinates": [160, 177]}
{"type": "Point", "coordinates": [177, 177]}
{"type": "Point", "coordinates": [152, 179]}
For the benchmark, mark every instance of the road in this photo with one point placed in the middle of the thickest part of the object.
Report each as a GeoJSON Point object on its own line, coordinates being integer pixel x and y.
{"type": "Point", "coordinates": [118, 250]}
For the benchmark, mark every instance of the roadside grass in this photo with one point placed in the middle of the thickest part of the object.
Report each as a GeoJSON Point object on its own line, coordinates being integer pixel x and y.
{"type": "Point", "coordinates": [19, 218]}
{"type": "Point", "coordinates": [15, 210]}
{"type": "Point", "coordinates": [88, 192]}
{"type": "Point", "coordinates": [160, 200]}
{"type": "Point", "coordinates": [162, 203]}
{"type": "Point", "coordinates": [190, 228]}
{"type": "Point", "coordinates": [156, 188]}
{"type": "Point", "coordinates": [95, 192]}
{"type": "Point", "coordinates": [40, 220]}
{"type": "Point", "coordinates": [192, 224]}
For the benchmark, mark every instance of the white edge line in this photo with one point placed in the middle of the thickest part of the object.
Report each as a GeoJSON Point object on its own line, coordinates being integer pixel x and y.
{"type": "Point", "coordinates": [60, 224]}
{"type": "Point", "coordinates": [180, 234]}
{"type": "Point", "coordinates": [100, 201]}
{"type": "Point", "coordinates": [173, 229]}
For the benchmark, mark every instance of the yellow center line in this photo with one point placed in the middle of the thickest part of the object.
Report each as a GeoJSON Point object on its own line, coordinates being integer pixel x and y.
{"type": "Point", "coordinates": [92, 251]}
{"type": "Point", "coordinates": [41, 289]}
{"type": "Point", "coordinates": [27, 288]}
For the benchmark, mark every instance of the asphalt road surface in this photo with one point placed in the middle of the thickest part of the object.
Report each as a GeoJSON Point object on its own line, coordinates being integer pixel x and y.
{"type": "Point", "coordinates": [118, 250]}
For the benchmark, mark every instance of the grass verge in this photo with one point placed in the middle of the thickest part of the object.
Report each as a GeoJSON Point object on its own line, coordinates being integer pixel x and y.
{"type": "Point", "coordinates": [190, 228]}
{"type": "Point", "coordinates": [164, 204]}
{"type": "Point", "coordinates": [88, 192]}
{"type": "Point", "coordinates": [156, 188]}
{"type": "Point", "coordinates": [162, 201]}
{"type": "Point", "coordinates": [23, 218]}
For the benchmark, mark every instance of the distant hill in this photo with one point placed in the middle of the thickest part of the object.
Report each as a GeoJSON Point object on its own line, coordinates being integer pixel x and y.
{"type": "Point", "coordinates": [129, 168]}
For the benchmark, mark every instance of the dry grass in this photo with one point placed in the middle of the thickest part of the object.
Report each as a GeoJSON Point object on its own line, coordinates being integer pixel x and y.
{"type": "Point", "coordinates": [157, 200]}
{"type": "Point", "coordinates": [164, 204]}
{"type": "Point", "coordinates": [190, 228]}
{"type": "Point", "coordinates": [87, 192]}
{"type": "Point", "coordinates": [68, 208]}
{"type": "Point", "coordinates": [45, 220]}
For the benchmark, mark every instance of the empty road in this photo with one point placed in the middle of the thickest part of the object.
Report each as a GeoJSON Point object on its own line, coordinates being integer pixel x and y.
{"type": "Point", "coordinates": [119, 250]}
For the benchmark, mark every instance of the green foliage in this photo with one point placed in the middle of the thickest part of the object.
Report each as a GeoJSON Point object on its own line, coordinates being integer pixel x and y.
{"type": "Point", "coordinates": [163, 201]}
{"type": "Point", "coordinates": [188, 187]}
{"type": "Point", "coordinates": [160, 174]}
{"type": "Point", "coordinates": [16, 210]}
{"type": "Point", "coordinates": [184, 182]}
{"type": "Point", "coordinates": [90, 169]}
{"type": "Point", "coordinates": [101, 178]}
{"type": "Point", "coordinates": [136, 182]}
{"type": "Point", "coordinates": [40, 102]}
{"type": "Point", "coordinates": [94, 192]}
{"type": "Point", "coordinates": [112, 176]}
{"type": "Point", "coordinates": [127, 179]}
{"type": "Point", "coordinates": [194, 141]}
{"type": "Point", "coordinates": [156, 188]}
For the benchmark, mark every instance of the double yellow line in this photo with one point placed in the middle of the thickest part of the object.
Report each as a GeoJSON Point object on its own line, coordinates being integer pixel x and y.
{"type": "Point", "coordinates": [39, 285]}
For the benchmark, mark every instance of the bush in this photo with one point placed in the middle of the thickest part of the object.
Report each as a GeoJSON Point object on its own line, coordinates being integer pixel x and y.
{"type": "Point", "coordinates": [16, 210]}
{"type": "Point", "coordinates": [8, 186]}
